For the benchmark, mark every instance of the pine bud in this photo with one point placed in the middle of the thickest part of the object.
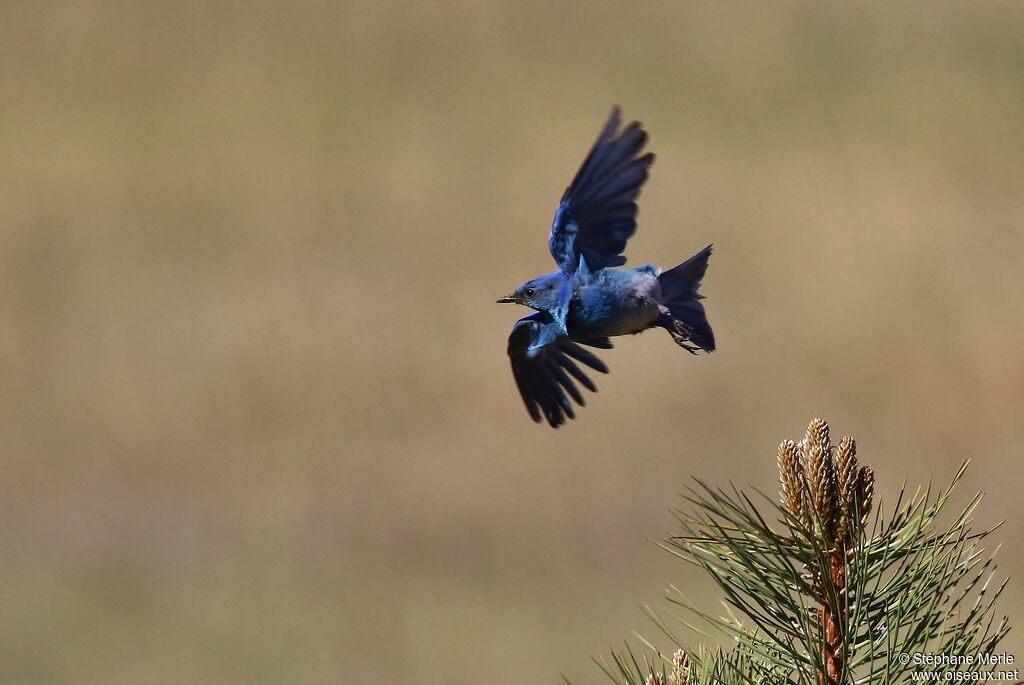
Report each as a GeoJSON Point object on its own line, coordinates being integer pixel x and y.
{"type": "Point", "coordinates": [820, 474]}
{"type": "Point", "coordinates": [790, 477]}
{"type": "Point", "coordinates": [848, 482]}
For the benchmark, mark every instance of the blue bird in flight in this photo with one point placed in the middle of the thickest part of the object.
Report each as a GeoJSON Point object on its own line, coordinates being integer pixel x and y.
{"type": "Point", "coordinates": [586, 302]}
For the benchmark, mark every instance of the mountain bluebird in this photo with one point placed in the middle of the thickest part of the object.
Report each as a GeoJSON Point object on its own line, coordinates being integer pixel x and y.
{"type": "Point", "coordinates": [585, 302]}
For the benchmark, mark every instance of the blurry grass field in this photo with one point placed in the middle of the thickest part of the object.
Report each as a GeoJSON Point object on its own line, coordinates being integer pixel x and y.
{"type": "Point", "coordinates": [256, 420]}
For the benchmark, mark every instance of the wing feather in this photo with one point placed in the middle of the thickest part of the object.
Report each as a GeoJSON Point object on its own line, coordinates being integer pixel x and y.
{"type": "Point", "coordinates": [544, 370]}
{"type": "Point", "coordinates": [597, 213]}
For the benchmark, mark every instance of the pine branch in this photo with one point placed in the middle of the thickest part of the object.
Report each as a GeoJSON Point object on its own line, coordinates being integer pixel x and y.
{"type": "Point", "coordinates": [821, 587]}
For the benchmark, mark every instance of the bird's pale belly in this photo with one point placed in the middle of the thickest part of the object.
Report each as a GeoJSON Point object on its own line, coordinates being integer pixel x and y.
{"type": "Point", "coordinates": [599, 310]}
{"type": "Point", "coordinates": [634, 315]}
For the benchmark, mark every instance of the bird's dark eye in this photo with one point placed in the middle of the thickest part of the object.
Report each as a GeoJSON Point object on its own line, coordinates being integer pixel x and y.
{"type": "Point", "coordinates": [529, 292]}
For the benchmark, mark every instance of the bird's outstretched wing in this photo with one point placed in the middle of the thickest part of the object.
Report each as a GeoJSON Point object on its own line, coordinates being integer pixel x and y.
{"type": "Point", "coordinates": [543, 366]}
{"type": "Point", "coordinates": [597, 214]}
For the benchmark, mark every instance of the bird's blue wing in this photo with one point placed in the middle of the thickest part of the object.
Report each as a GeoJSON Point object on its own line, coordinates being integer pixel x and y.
{"type": "Point", "coordinates": [597, 213]}
{"type": "Point", "coordinates": [545, 368]}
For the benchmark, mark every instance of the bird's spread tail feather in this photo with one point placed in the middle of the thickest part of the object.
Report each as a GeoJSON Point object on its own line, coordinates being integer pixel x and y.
{"type": "Point", "coordinates": [686, 320]}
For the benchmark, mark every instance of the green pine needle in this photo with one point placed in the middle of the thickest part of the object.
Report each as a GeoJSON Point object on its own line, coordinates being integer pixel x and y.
{"type": "Point", "coordinates": [878, 585]}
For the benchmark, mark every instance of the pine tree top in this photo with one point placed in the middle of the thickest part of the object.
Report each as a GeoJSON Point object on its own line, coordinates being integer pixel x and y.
{"type": "Point", "coordinates": [822, 587]}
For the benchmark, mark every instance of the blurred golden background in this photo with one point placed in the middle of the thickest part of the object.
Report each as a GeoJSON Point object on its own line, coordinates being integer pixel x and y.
{"type": "Point", "coordinates": [257, 423]}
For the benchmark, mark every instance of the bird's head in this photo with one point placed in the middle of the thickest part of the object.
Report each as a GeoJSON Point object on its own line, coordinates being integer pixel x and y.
{"type": "Point", "coordinates": [545, 293]}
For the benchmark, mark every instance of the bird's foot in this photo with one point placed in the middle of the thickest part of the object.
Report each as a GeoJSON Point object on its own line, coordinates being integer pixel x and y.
{"type": "Point", "coordinates": [683, 341]}
{"type": "Point", "coordinates": [692, 349]}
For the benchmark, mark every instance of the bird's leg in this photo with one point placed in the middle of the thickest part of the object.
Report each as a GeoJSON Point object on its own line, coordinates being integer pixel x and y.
{"type": "Point", "coordinates": [678, 330]}
{"type": "Point", "coordinates": [681, 335]}
{"type": "Point", "coordinates": [683, 343]}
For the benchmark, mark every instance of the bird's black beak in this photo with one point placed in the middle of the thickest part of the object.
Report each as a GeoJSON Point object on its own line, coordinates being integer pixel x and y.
{"type": "Point", "coordinates": [508, 298]}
